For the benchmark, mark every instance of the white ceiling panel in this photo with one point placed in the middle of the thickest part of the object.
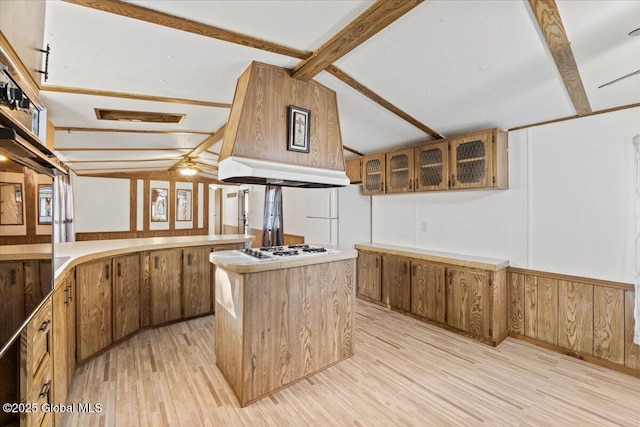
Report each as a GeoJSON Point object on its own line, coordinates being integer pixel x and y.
{"type": "Point", "coordinates": [603, 51]}
{"type": "Point", "coordinates": [365, 125]}
{"type": "Point", "coordinates": [98, 50]}
{"type": "Point", "coordinates": [463, 65]}
{"type": "Point", "coordinates": [114, 140]}
{"type": "Point", "coordinates": [72, 110]}
{"type": "Point", "coordinates": [208, 156]}
{"type": "Point", "coordinates": [79, 156]}
{"type": "Point", "coordinates": [301, 24]}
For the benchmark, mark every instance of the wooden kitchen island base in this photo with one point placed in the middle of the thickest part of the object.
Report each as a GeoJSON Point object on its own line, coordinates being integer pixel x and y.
{"type": "Point", "coordinates": [276, 327]}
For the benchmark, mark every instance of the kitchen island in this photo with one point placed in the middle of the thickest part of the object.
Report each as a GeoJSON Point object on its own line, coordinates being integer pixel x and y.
{"type": "Point", "coordinates": [282, 320]}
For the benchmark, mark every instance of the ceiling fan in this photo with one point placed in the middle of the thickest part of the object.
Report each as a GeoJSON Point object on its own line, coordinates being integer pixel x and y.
{"type": "Point", "coordinates": [635, 32]}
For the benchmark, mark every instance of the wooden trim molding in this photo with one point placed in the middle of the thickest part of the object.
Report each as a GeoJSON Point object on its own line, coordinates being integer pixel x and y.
{"type": "Point", "coordinates": [550, 23]}
{"type": "Point", "coordinates": [594, 113]}
{"type": "Point", "coordinates": [351, 150]}
{"type": "Point", "coordinates": [345, 78]}
{"type": "Point", "coordinates": [374, 19]}
{"type": "Point", "coordinates": [567, 277]}
{"type": "Point", "coordinates": [137, 96]}
{"type": "Point", "coordinates": [160, 18]}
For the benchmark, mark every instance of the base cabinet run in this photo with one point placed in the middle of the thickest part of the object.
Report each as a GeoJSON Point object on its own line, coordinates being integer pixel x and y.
{"type": "Point", "coordinates": [468, 300]}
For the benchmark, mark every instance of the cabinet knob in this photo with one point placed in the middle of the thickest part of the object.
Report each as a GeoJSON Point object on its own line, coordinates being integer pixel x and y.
{"type": "Point", "coordinates": [119, 266]}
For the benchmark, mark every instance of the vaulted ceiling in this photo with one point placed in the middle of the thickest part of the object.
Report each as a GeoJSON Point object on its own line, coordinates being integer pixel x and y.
{"type": "Point", "coordinates": [404, 71]}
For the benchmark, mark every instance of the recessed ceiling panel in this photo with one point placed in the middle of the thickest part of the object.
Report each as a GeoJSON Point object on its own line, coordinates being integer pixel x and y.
{"type": "Point", "coordinates": [301, 24]}
{"type": "Point", "coordinates": [137, 116]}
{"type": "Point", "coordinates": [604, 51]}
{"type": "Point", "coordinates": [463, 65]}
{"type": "Point", "coordinates": [73, 110]}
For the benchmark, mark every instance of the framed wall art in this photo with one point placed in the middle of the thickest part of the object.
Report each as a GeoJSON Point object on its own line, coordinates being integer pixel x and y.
{"type": "Point", "coordinates": [299, 129]}
{"type": "Point", "coordinates": [45, 203]}
{"type": "Point", "coordinates": [183, 205]}
{"type": "Point", "coordinates": [159, 205]}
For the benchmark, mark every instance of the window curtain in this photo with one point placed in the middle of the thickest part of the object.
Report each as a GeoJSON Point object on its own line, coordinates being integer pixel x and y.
{"type": "Point", "coordinates": [63, 230]}
{"type": "Point", "coordinates": [636, 311]}
{"type": "Point", "coordinates": [272, 232]}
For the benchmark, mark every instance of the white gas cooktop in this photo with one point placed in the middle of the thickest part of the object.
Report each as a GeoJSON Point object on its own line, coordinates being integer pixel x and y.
{"type": "Point", "coordinates": [278, 253]}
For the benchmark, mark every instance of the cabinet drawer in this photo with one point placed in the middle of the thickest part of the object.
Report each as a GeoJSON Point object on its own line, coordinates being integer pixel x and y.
{"type": "Point", "coordinates": [40, 394]}
{"type": "Point", "coordinates": [39, 340]}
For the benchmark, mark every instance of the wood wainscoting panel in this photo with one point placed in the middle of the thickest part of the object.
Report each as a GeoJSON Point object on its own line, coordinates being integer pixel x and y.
{"type": "Point", "coordinates": [516, 307]}
{"type": "Point", "coordinates": [531, 306]}
{"type": "Point", "coordinates": [229, 229]}
{"type": "Point", "coordinates": [608, 324]}
{"type": "Point", "coordinates": [631, 350]}
{"type": "Point", "coordinates": [547, 310]}
{"type": "Point", "coordinates": [575, 316]}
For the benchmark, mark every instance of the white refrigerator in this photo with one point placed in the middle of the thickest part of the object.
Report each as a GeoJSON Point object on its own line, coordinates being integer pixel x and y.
{"type": "Point", "coordinates": [337, 216]}
{"type": "Point", "coordinates": [321, 216]}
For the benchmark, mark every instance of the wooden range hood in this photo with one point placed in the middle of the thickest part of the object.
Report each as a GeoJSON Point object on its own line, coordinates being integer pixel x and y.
{"type": "Point", "coordinates": [254, 149]}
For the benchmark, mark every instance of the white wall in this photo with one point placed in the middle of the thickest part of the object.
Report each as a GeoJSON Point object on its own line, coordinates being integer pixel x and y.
{"type": "Point", "coordinates": [229, 206]}
{"type": "Point", "coordinates": [100, 204]}
{"type": "Point", "coordinates": [569, 208]}
{"type": "Point", "coordinates": [293, 209]}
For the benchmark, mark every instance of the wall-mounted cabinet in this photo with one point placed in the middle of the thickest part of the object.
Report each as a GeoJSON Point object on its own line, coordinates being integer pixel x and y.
{"type": "Point", "coordinates": [473, 161]}
{"type": "Point", "coordinates": [479, 160]}
{"type": "Point", "coordinates": [432, 167]}
{"type": "Point", "coordinates": [373, 174]}
{"type": "Point", "coordinates": [399, 171]}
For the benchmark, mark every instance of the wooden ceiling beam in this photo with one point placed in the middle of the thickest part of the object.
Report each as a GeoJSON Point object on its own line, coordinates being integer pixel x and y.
{"type": "Point", "coordinates": [344, 77]}
{"type": "Point", "coordinates": [352, 150]}
{"type": "Point", "coordinates": [204, 145]}
{"type": "Point", "coordinates": [158, 175]}
{"type": "Point", "coordinates": [160, 18]}
{"type": "Point", "coordinates": [374, 19]}
{"type": "Point", "coordinates": [72, 161]}
{"type": "Point", "coordinates": [548, 19]}
{"type": "Point", "coordinates": [136, 96]}
{"type": "Point", "coordinates": [119, 149]}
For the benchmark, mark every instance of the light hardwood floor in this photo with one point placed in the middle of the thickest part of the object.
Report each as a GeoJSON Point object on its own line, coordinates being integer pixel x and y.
{"type": "Point", "coordinates": [404, 372]}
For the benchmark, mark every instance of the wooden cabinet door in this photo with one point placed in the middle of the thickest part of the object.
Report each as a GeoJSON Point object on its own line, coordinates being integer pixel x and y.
{"type": "Point", "coordinates": [60, 303]}
{"type": "Point", "coordinates": [353, 169]}
{"type": "Point", "coordinates": [94, 307]}
{"type": "Point", "coordinates": [396, 286]}
{"type": "Point", "coordinates": [126, 295]}
{"type": "Point", "coordinates": [197, 283]}
{"type": "Point", "coordinates": [12, 310]}
{"type": "Point", "coordinates": [70, 289]}
{"type": "Point", "coordinates": [165, 280]}
{"type": "Point", "coordinates": [469, 301]}
{"type": "Point", "coordinates": [373, 174]}
{"type": "Point", "coordinates": [427, 290]}
{"type": "Point", "coordinates": [369, 275]}
{"type": "Point", "coordinates": [399, 171]}
{"type": "Point", "coordinates": [432, 167]}
{"type": "Point", "coordinates": [471, 161]}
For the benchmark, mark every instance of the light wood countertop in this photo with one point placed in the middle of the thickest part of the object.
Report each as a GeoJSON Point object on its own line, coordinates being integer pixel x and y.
{"type": "Point", "coordinates": [236, 262]}
{"type": "Point", "coordinates": [471, 261]}
{"type": "Point", "coordinates": [79, 252]}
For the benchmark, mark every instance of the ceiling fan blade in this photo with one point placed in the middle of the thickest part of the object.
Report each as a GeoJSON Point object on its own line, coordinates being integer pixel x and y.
{"type": "Point", "coordinates": [620, 78]}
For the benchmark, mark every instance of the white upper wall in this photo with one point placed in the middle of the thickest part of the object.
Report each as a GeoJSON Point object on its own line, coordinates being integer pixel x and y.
{"type": "Point", "coordinates": [100, 204]}
{"type": "Point", "coordinates": [569, 207]}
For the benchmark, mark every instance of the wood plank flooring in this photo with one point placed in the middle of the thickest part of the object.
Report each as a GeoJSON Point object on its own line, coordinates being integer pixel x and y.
{"type": "Point", "coordinates": [404, 373]}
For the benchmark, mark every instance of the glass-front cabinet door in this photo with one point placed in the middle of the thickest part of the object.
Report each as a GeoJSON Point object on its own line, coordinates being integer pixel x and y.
{"type": "Point", "coordinates": [400, 171]}
{"type": "Point", "coordinates": [432, 167]}
{"type": "Point", "coordinates": [471, 161]}
{"type": "Point", "coordinates": [373, 174]}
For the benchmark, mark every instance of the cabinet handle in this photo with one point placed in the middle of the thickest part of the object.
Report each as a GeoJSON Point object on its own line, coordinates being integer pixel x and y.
{"type": "Point", "coordinates": [413, 270]}
{"type": "Point", "coordinates": [453, 180]}
{"type": "Point", "coordinates": [107, 271]}
{"type": "Point", "coordinates": [70, 296]}
{"type": "Point", "coordinates": [155, 262]}
{"type": "Point", "coordinates": [13, 274]}
{"type": "Point", "coordinates": [44, 326]}
{"type": "Point", "coordinates": [405, 268]}
{"type": "Point", "coordinates": [119, 266]}
{"type": "Point", "coordinates": [66, 295]}
{"type": "Point", "coordinates": [376, 262]}
{"type": "Point", "coordinates": [188, 259]}
{"type": "Point", "coordinates": [45, 389]}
